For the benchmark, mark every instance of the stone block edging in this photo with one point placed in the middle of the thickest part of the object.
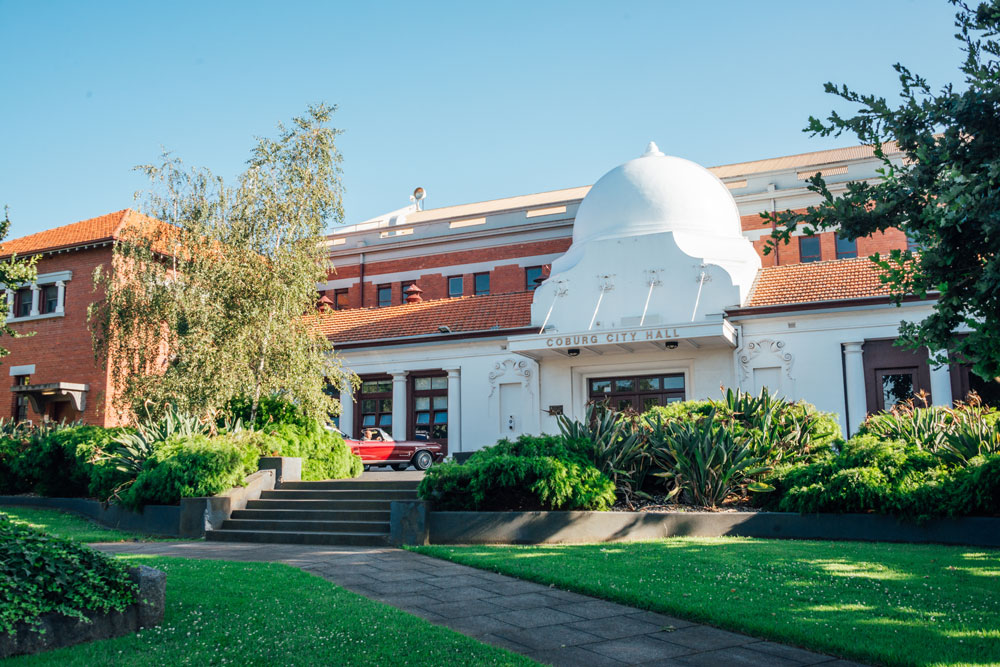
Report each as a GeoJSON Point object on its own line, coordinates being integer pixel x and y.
{"type": "Point", "coordinates": [190, 519]}
{"type": "Point", "coordinates": [60, 630]}
{"type": "Point", "coordinates": [583, 527]}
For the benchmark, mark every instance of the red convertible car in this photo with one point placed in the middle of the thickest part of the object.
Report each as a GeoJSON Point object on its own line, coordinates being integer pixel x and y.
{"type": "Point", "coordinates": [377, 448]}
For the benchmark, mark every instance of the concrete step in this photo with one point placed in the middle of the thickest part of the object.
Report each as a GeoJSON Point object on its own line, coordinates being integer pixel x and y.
{"type": "Point", "coordinates": [292, 537]}
{"type": "Point", "coordinates": [342, 505]}
{"type": "Point", "coordinates": [360, 494]}
{"type": "Point", "coordinates": [352, 485]}
{"type": "Point", "coordinates": [312, 515]}
{"type": "Point", "coordinates": [374, 527]}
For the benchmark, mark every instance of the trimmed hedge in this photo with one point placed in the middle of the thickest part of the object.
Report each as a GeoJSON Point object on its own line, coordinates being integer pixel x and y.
{"type": "Point", "coordinates": [191, 466]}
{"type": "Point", "coordinates": [530, 473]}
{"type": "Point", "coordinates": [40, 574]}
{"type": "Point", "coordinates": [324, 453]}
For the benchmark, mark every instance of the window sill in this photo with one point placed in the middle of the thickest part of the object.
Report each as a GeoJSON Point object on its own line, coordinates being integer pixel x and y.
{"type": "Point", "coordinates": [32, 318]}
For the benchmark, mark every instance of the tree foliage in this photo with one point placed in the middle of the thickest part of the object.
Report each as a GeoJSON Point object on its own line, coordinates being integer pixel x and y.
{"type": "Point", "coordinates": [206, 301]}
{"type": "Point", "coordinates": [13, 272]}
{"type": "Point", "coordinates": [944, 193]}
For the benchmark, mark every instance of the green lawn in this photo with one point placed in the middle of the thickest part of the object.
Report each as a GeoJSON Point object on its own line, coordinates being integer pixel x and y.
{"type": "Point", "coordinates": [66, 524]}
{"type": "Point", "coordinates": [221, 612]}
{"type": "Point", "coordinates": [898, 604]}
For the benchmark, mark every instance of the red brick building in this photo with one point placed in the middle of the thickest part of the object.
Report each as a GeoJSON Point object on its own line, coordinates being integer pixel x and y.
{"type": "Point", "coordinates": [52, 371]}
{"type": "Point", "coordinates": [482, 292]}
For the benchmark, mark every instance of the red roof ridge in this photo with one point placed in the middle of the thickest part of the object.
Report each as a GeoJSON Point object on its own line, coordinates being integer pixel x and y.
{"type": "Point", "coordinates": [814, 282]}
{"type": "Point", "coordinates": [462, 315]}
{"type": "Point", "coordinates": [825, 262]}
{"type": "Point", "coordinates": [102, 228]}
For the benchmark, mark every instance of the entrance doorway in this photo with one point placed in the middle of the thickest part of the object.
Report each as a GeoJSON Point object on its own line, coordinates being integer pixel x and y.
{"type": "Point", "coordinates": [637, 392]}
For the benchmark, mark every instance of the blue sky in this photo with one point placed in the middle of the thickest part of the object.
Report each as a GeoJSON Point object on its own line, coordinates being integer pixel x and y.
{"type": "Point", "coordinates": [470, 100]}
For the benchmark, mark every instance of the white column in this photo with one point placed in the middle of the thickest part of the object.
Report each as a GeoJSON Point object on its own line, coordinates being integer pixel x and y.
{"type": "Point", "coordinates": [35, 292]}
{"type": "Point", "coordinates": [10, 303]}
{"type": "Point", "coordinates": [347, 411]}
{"type": "Point", "coordinates": [399, 405]}
{"type": "Point", "coordinates": [940, 384]}
{"type": "Point", "coordinates": [454, 410]}
{"type": "Point", "coordinates": [61, 296]}
{"type": "Point", "coordinates": [854, 377]}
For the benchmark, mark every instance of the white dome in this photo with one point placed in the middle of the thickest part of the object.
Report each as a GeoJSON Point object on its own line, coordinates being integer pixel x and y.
{"type": "Point", "coordinates": [656, 193]}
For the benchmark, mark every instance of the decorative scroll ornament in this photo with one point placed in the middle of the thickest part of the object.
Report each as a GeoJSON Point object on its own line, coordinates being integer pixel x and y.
{"type": "Point", "coordinates": [515, 367]}
{"type": "Point", "coordinates": [769, 346]}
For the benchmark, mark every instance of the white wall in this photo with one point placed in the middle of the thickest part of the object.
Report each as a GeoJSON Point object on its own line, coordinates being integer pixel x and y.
{"type": "Point", "coordinates": [809, 354]}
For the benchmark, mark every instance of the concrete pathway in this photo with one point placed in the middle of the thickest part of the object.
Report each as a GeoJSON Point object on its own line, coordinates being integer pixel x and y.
{"type": "Point", "coordinates": [546, 624]}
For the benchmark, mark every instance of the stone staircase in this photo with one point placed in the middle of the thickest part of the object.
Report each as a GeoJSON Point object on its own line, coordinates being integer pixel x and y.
{"type": "Point", "coordinates": [336, 512]}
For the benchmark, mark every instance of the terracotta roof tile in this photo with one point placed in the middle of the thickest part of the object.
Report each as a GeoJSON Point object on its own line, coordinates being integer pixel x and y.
{"type": "Point", "coordinates": [834, 280]}
{"type": "Point", "coordinates": [462, 315]}
{"type": "Point", "coordinates": [102, 228]}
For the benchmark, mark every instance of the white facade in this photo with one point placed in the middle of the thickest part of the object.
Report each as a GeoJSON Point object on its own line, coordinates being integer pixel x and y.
{"type": "Point", "coordinates": [652, 285]}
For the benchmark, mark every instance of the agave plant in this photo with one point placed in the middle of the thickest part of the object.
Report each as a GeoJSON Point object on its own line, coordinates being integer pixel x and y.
{"type": "Point", "coordinates": [614, 443]}
{"type": "Point", "coordinates": [704, 461]}
{"type": "Point", "coordinates": [776, 433]}
{"type": "Point", "coordinates": [130, 449]}
{"type": "Point", "coordinates": [970, 436]}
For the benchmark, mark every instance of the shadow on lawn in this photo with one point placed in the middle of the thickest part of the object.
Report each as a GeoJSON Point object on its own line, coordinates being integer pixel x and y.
{"type": "Point", "coordinates": [893, 603]}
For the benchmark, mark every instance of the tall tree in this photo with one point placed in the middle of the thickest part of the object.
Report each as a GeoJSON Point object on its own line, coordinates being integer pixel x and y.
{"type": "Point", "coordinates": [208, 299]}
{"type": "Point", "coordinates": [13, 272]}
{"type": "Point", "coordinates": [944, 193]}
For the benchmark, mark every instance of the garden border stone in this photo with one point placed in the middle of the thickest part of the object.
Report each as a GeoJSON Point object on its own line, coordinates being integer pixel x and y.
{"type": "Point", "coordinates": [189, 520]}
{"type": "Point", "coordinates": [583, 527]}
{"type": "Point", "coordinates": [60, 630]}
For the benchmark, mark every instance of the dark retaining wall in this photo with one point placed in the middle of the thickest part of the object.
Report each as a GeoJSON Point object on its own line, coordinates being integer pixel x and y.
{"type": "Point", "coordinates": [160, 520]}
{"type": "Point", "coordinates": [60, 630]}
{"type": "Point", "coordinates": [190, 519]}
{"type": "Point", "coordinates": [582, 527]}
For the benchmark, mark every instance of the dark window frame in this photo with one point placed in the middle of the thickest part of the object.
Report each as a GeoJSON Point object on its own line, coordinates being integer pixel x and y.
{"type": "Point", "coordinates": [22, 302]}
{"type": "Point", "coordinates": [880, 355]}
{"type": "Point", "coordinates": [379, 289]}
{"type": "Point", "coordinates": [635, 394]}
{"type": "Point", "coordinates": [412, 413]}
{"type": "Point", "coordinates": [848, 252]}
{"type": "Point", "coordinates": [337, 293]}
{"type": "Point", "coordinates": [378, 413]}
{"type": "Point", "coordinates": [49, 296]}
{"type": "Point", "coordinates": [475, 284]}
{"type": "Point", "coordinates": [804, 258]}
{"type": "Point", "coordinates": [403, 286]}
{"type": "Point", "coordinates": [532, 285]}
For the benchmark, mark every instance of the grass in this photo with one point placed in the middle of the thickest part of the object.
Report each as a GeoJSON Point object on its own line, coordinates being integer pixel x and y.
{"type": "Point", "coordinates": [221, 612]}
{"type": "Point", "coordinates": [896, 604]}
{"type": "Point", "coordinates": [67, 524]}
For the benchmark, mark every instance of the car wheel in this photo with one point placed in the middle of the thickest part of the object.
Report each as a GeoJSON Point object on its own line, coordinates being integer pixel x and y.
{"type": "Point", "coordinates": [367, 468]}
{"type": "Point", "coordinates": [400, 466]}
{"type": "Point", "coordinates": [422, 460]}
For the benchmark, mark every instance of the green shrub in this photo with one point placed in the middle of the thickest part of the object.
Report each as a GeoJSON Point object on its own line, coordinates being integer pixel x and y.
{"type": "Point", "coordinates": [888, 477]}
{"type": "Point", "coordinates": [40, 573]}
{"type": "Point", "coordinates": [324, 453]}
{"type": "Point", "coordinates": [12, 481]}
{"type": "Point", "coordinates": [530, 473]}
{"type": "Point", "coordinates": [191, 466]}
